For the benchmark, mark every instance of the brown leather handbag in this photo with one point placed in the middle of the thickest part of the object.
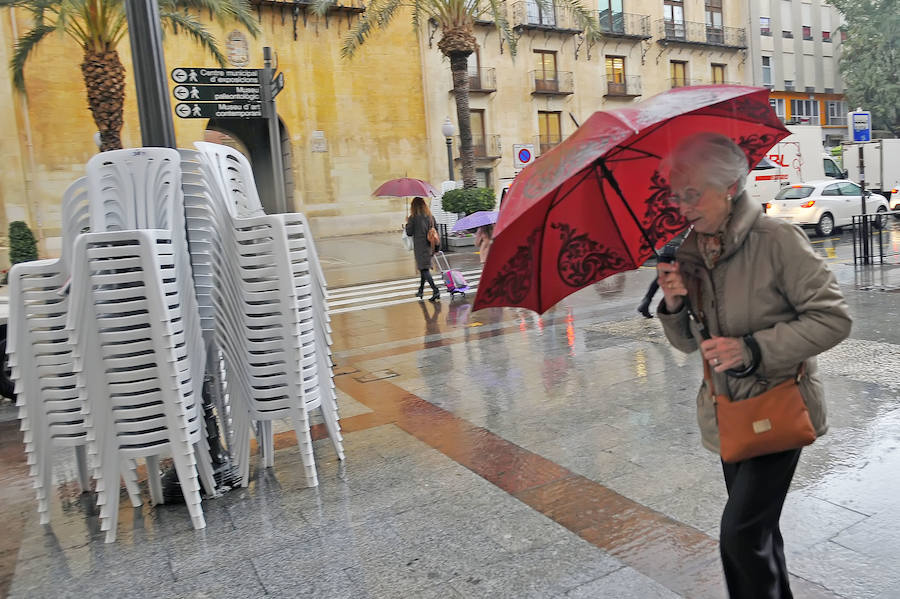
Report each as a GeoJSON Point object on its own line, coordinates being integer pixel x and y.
{"type": "Point", "coordinates": [774, 421]}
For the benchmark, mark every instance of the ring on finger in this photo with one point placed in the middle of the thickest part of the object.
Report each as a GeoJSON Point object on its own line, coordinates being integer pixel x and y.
{"type": "Point", "coordinates": [715, 361]}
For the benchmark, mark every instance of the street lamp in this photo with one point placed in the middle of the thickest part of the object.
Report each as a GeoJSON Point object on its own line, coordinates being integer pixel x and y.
{"type": "Point", "coordinates": [449, 130]}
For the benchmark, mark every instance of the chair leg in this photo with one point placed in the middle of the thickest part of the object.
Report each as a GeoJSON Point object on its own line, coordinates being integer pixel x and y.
{"type": "Point", "coordinates": [304, 441]}
{"type": "Point", "coordinates": [154, 480]}
{"type": "Point", "coordinates": [187, 475]}
{"type": "Point", "coordinates": [129, 473]}
{"type": "Point", "coordinates": [329, 416]}
{"type": "Point", "coordinates": [204, 467]}
{"type": "Point", "coordinates": [84, 475]}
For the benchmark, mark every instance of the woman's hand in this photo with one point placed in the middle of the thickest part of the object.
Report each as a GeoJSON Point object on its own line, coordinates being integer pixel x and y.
{"type": "Point", "coordinates": [672, 285]}
{"type": "Point", "coordinates": [723, 353]}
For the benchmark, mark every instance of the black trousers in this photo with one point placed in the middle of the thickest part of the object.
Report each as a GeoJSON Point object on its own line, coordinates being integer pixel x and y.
{"type": "Point", "coordinates": [750, 539]}
{"type": "Point", "coordinates": [425, 276]}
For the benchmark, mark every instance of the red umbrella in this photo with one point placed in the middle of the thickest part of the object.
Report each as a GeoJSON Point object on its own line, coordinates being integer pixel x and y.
{"type": "Point", "coordinates": [404, 188]}
{"type": "Point", "coordinates": [597, 204]}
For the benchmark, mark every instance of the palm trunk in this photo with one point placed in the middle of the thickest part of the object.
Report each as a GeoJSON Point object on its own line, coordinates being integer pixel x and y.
{"type": "Point", "coordinates": [104, 78]}
{"type": "Point", "coordinates": [459, 68]}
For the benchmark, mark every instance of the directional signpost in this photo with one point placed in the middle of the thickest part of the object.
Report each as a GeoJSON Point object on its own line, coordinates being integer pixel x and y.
{"type": "Point", "coordinates": [217, 93]}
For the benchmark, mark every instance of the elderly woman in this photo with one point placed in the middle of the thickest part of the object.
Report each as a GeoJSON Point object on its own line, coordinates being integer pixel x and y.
{"type": "Point", "coordinates": [770, 304]}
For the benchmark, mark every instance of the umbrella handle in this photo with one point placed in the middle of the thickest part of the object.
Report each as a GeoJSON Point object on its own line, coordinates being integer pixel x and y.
{"type": "Point", "coordinates": [704, 332]}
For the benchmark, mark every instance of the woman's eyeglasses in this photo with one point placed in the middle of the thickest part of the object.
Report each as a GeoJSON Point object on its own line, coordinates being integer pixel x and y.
{"type": "Point", "coordinates": [689, 197]}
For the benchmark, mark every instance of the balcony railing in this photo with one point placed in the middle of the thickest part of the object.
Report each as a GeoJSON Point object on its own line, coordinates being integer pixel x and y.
{"type": "Point", "coordinates": [544, 143]}
{"type": "Point", "coordinates": [546, 83]}
{"type": "Point", "coordinates": [530, 15]}
{"type": "Point", "coordinates": [485, 147]}
{"type": "Point", "coordinates": [837, 121]}
{"type": "Point", "coordinates": [483, 82]}
{"type": "Point", "coordinates": [627, 87]}
{"type": "Point", "coordinates": [682, 82]}
{"type": "Point", "coordinates": [354, 6]}
{"type": "Point", "coordinates": [699, 33]}
{"type": "Point", "coordinates": [624, 25]}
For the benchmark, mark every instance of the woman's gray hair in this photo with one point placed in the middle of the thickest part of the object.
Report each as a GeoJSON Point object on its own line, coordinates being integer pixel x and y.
{"type": "Point", "coordinates": [723, 160]}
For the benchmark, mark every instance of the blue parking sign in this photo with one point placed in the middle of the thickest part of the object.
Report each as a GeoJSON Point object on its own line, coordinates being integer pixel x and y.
{"type": "Point", "coordinates": [860, 126]}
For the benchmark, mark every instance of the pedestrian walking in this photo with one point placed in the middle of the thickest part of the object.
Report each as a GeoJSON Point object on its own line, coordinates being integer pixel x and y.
{"type": "Point", "coordinates": [421, 227]}
{"type": "Point", "coordinates": [769, 305]}
{"type": "Point", "coordinates": [484, 235]}
{"type": "Point", "coordinates": [666, 254]}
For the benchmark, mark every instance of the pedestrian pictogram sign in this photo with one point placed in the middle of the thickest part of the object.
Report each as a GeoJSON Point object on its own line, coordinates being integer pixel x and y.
{"type": "Point", "coordinates": [203, 76]}
{"type": "Point", "coordinates": [217, 93]}
{"type": "Point", "coordinates": [523, 155]}
{"type": "Point", "coordinates": [219, 110]}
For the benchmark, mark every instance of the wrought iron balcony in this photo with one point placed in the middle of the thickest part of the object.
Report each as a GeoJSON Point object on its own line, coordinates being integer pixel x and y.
{"type": "Point", "coordinates": [626, 87]}
{"type": "Point", "coordinates": [544, 143]}
{"type": "Point", "coordinates": [485, 147]}
{"type": "Point", "coordinates": [682, 82]}
{"type": "Point", "coordinates": [699, 33]}
{"type": "Point", "coordinates": [624, 25]}
{"type": "Point", "coordinates": [837, 121]}
{"type": "Point", "coordinates": [548, 84]}
{"type": "Point", "coordinates": [352, 6]}
{"type": "Point", "coordinates": [483, 82]}
{"type": "Point", "coordinates": [530, 15]}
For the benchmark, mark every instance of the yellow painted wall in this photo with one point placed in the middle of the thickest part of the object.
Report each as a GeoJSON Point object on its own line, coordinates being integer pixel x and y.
{"type": "Point", "coordinates": [370, 109]}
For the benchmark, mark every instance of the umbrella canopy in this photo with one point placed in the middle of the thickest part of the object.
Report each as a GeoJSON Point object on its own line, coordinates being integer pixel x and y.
{"type": "Point", "coordinates": [476, 219]}
{"type": "Point", "coordinates": [597, 204]}
{"type": "Point", "coordinates": [404, 188]}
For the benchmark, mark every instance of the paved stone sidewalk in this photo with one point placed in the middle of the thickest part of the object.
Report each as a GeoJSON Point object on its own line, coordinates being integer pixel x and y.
{"type": "Point", "coordinates": [509, 455]}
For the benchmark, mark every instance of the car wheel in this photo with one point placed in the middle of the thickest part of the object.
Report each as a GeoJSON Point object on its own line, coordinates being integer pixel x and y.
{"type": "Point", "coordinates": [880, 220]}
{"type": "Point", "coordinates": [7, 387]}
{"type": "Point", "coordinates": [826, 225]}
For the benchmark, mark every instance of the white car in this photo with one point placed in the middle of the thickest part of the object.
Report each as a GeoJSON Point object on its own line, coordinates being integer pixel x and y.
{"type": "Point", "coordinates": [825, 205]}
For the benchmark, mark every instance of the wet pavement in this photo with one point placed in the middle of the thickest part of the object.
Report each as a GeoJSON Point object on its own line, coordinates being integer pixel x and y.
{"type": "Point", "coordinates": [502, 454]}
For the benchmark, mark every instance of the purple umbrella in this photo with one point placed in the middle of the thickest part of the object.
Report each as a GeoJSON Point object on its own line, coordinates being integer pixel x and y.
{"type": "Point", "coordinates": [475, 220]}
{"type": "Point", "coordinates": [405, 188]}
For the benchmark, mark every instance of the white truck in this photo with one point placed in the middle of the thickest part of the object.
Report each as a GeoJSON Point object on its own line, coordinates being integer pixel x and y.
{"type": "Point", "coordinates": [882, 167]}
{"type": "Point", "coordinates": [797, 158]}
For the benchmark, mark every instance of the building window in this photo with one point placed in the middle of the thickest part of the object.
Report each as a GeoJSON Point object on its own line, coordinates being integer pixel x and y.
{"type": "Point", "coordinates": [777, 105]}
{"type": "Point", "coordinates": [678, 71]}
{"type": "Point", "coordinates": [806, 21]}
{"type": "Point", "coordinates": [541, 16]}
{"type": "Point", "coordinates": [612, 20]}
{"type": "Point", "coordinates": [826, 37]}
{"type": "Point", "coordinates": [843, 35]}
{"type": "Point", "coordinates": [767, 70]}
{"type": "Point", "coordinates": [765, 26]}
{"type": "Point", "coordinates": [718, 73]}
{"type": "Point", "coordinates": [714, 32]}
{"type": "Point", "coordinates": [673, 12]}
{"type": "Point", "coordinates": [615, 75]}
{"type": "Point", "coordinates": [805, 112]}
{"type": "Point", "coordinates": [474, 70]}
{"type": "Point", "coordinates": [545, 77]}
{"type": "Point", "coordinates": [786, 26]}
{"type": "Point", "coordinates": [476, 124]}
{"type": "Point", "coordinates": [550, 129]}
{"type": "Point", "coordinates": [787, 34]}
{"type": "Point", "coordinates": [483, 177]}
{"type": "Point", "coordinates": [807, 33]}
{"type": "Point", "coordinates": [836, 113]}
{"type": "Point", "coordinates": [789, 85]}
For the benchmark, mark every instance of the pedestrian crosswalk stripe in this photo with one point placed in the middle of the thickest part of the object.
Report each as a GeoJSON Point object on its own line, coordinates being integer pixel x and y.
{"type": "Point", "coordinates": [364, 289]}
{"type": "Point", "coordinates": [390, 293]}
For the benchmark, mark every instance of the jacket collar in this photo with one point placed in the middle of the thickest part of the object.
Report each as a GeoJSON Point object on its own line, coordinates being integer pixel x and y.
{"type": "Point", "coordinates": [744, 214]}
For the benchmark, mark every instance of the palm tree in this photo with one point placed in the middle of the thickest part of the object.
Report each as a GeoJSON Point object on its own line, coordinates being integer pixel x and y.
{"type": "Point", "coordinates": [98, 26]}
{"type": "Point", "coordinates": [456, 20]}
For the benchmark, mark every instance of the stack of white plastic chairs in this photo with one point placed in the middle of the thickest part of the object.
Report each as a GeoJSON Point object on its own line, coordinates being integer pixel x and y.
{"type": "Point", "coordinates": [271, 320]}
{"type": "Point", "coordinates": [42, 361]}
{"type": "Point", "coordinates": [133, 318]}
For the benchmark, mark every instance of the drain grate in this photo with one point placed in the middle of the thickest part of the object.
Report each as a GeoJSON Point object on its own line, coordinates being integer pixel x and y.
{"type": "Point", "coordinates": [376, 375]}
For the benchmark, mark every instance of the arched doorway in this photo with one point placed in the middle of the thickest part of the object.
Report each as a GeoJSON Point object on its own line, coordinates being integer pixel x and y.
{"type": "Point", "coordinates": [251, 138]}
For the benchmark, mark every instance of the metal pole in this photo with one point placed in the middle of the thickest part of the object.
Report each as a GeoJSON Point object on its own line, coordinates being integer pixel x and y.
{"type": "Point", "coordinates": [269, 109]}
{"type": "Point", "coordinates": [150, 77]}
{"type": "Point", "coordinates": [449, 158]}
{"type": "Point", "coordinates": [862, 198]}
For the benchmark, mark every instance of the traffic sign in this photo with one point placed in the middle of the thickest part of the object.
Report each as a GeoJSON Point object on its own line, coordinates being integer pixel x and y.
{"type": "Point", "coordinates": [219, 110]}
{"type": "Point", "coordinates": [859, 124]}
{"type": "Point", "coordinates": [217, 93]}
{"type": "Point", "coordinates": [523, 155]}
{"type": "Point", "coordinates": [277, 84]}
{"type": "Point", "coordinates": [202, 76]}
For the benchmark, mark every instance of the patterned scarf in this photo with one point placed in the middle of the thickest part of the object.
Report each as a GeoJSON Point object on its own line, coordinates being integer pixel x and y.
{"type": "Point", "coordinates": [712, 245]}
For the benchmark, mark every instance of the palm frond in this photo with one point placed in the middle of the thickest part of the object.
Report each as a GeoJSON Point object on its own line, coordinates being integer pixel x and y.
{"type": "Point", "coordinates": [497, 9]}
{"type": "Point", "coordinates": [378, 14]}
{"type": "Point", "coordinates": [320, 7]}
{"type": "Point", "coordinates": [585, 19]}
{"type": "Point", "coordinates": [195, 29]}
{"type": "Point", "coordinates": [221, 10]}
{"type": "Point", "coordinates": [23, 48]}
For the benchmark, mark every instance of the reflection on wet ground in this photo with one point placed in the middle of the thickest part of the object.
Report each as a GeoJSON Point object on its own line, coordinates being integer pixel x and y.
{"type": "Point", "coordinates": [513, 455]}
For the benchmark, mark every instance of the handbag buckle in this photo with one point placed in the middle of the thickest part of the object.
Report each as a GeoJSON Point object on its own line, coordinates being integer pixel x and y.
{"type": "Point", "coordinates": [761, 426]}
